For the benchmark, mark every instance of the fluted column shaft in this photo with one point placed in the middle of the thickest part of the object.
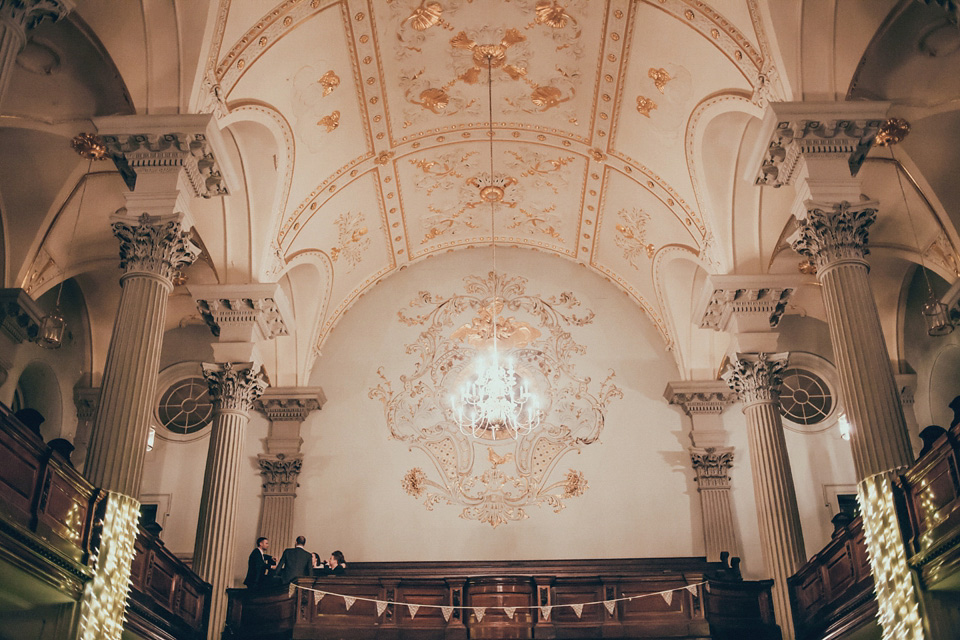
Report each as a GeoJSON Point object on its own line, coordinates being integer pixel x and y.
{"type": "Point", "coordinates": [151, 252]}
{"type": "Point", "coordinates": [16, 18]}
{"type": "Point", "coordinates": [233, 388]}
{"type": "Point", "coordinates": [712, 466]}
{"type": "Point", "coordinates": [835, 237]}
{"type": "Point", "coordinates": [757, 378]}
{"type": "Point", "coordinates": [279, 493]}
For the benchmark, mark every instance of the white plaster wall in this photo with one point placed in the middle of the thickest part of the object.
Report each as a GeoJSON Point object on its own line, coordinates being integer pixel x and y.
{"type": "Point", "coordinates": [641, 502]}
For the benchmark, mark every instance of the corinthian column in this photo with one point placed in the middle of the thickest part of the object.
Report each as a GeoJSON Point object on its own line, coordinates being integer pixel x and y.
{"type": "Point", "coordinates": [286, 408]}
{"type": "Point", "coordinates": [757, 378]}
{"type": "Point", "coordinates": [17, 17]}
{"type": "Point", "coordinates": [703, 401]}
{"type": "Point", "coordinates": [834, 238]}
{"type": "Point", "coordinates": [233, 389]}
{"type": "Point", "coordinates": [152, 251]}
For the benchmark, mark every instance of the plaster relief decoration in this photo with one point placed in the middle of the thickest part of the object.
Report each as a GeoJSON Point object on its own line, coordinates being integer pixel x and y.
{"type": "Point", "coordinates": [664, 98]}
{"type": "Point", "coordinates": [313, 106]}
{"type": "Point", "coordinates": [459, 188]}
{"type": "Point", "coordinates": [493, 477]}
{"type": "Point", "coordinates": [532, 85]}
{"type": "Point", "coordinates": [632, 235]}
{"type": "Point", "coordinates": [352, 240]}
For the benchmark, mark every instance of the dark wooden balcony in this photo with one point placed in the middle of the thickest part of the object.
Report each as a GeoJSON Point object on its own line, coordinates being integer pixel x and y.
{"type": "Point", "coordinates": [49, 530]}
{"type": "Point", "coordinates": [726, 609]}
{"type": "Point", "coordinates": [832, 594]}
{"type": "Point", "coordinates": [930, 513]}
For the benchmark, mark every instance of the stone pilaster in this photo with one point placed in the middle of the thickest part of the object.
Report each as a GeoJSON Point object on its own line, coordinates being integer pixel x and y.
{"type": "Point", "coordinates": [152, 251]}
{"type": "Point", "coordinates": [233, 389]}
{"type": "Point", "coordinates": [834, 237]}
{"type": "Point", "coordinates": [17, 17]}
{"type": "Point", "coordinates": [286, 408]}
{"type": "Point", "coordinates": [86, 400]}
{"type": "Point", "coordinates": [757, 378]}
{"type": "Point", "coordinates": [703, 401]}
{"type": "Point", "coordinates": [19, 321]}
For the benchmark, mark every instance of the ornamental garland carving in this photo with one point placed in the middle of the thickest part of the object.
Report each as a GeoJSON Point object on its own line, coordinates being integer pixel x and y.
{"type": "Point", "coordinates": [756, 377]}
{"type": "Point", "coordinates": [632, 236]}
{"type": "Point", "coordinates": [494, 478]}
{"type": "Point", "coordinates": [835, 232]}
{"type": "Point", "coordinates": [233, 386]}
{"type": "Point", "coordinates": [163, 248]}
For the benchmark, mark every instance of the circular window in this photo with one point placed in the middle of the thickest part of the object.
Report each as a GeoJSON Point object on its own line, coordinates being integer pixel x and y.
{"type": "Point", "coordinates": [805, 398]}
{"type": "Point", "coordinates": [185, 406]}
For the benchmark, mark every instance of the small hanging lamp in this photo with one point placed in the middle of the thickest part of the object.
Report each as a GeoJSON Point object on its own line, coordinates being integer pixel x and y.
{"type": "Point", "coordinates": [52, 326]}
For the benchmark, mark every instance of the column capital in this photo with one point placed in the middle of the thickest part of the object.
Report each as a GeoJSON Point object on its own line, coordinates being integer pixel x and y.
{"type": "Point", "coordinates": [170, 144]}
{"type": "Point", "coordinates": [86, 400]}
{"type": "Point", "coordinates": [244, 312]}
{"type": "Point", "coordinates": [27, 14]}
{"type": "Point", "coordinates": [19, 315]}
{"type": "Point", "coordinates": [700, 396]}
{"type": "Point", "coordinates": [234, 386]}
{"type": "Point", "coordinates": [835, 233]}
{"type": "Point", "coordinates": [756, 376]}
{"type": "Point", "coordinates": [280, 473]}
{"type": "Point", "coordinates": [155, 245]}
{"type": "Point", "coordinates": [712, 465]}
{"type": "Point", "coordinates": [290, 404]}
{"type": "Point", "coordinates": [795, 131]}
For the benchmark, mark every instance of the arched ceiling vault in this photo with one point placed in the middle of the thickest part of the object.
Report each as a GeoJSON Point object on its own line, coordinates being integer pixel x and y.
{"type": "Point", "coordinates": [379, 113]}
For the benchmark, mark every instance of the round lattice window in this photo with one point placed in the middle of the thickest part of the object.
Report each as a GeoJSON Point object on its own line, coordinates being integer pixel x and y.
{"type": "Point", "coordinates": [805, 398]}
{"type": "Point", "coordinates": [185, 406]}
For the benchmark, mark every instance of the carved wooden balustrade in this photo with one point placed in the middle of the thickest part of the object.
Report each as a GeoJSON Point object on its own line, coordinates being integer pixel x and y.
{"type": "Point", "coordinates": [49, 530]}
{"type": "Point", "coordinates": [832, 594]}
{"type": "Point", "coordinates": [930, 513]}
{"type": "Point", "coordinates": [728, 609]}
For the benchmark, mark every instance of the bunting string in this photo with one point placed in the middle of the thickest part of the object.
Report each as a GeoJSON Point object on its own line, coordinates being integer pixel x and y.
{"type": "Point", "coordinates": [479, 612]}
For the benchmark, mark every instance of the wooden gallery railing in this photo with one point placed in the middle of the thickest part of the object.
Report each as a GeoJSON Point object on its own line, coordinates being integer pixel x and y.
{"type": "Point", "coordinates": [726, 608]}
{"type": "Point", "coordinates": [50, 519]}
{"type": "Point", "coordinates": [832, 594]}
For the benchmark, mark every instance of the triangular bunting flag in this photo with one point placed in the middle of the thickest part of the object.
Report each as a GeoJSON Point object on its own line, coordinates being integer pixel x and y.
{"type": "Point", "coordinates": [479, 611]}
{"type": "Point", "coordinates": [667, 596]}
{"type": "Point", "coordinates": [381, 607]}
{"type": "Point", "coordinates": [317, 597]}
{"type": "Point", "coordinates": [545, 612]}
{"type": "Point", "coordinates": [577, 609]}
{"type": "Point", "coordinates": [692, 588]}
{"type": "Point", "coordinates": [510, 611]}
{"type": "Point", "coordinates": [446, 611]}
{"type": "Point", "coordinates": [413, 608]}
{"type": "Point", "coordinates": [349, 600]}
{"type": "Point", "coordinates": [610, 605]}
{"type": "Point", "coordinates": [706, 586]}
{"type": "Point", "coordinates": [291, 590]}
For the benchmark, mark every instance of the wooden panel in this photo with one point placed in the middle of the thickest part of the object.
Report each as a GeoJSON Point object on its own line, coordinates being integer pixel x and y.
{"type": "Point", "coordinates": [63, 510]}
{"type": "Point", "coordinates": [19, 476]}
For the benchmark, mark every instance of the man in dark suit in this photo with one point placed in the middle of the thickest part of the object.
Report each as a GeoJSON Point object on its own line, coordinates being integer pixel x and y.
{"type": "Point", "coordinates": [295, 562]}
{"type": "Point", "coordinates": [259, 565]}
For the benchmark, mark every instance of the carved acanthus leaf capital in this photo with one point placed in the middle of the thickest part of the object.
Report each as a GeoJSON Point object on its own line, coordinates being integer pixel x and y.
{"type": "Point", "coordinates": [834, 232]}
{"type": "Point", "coordinates": [234, 386]}
{"type": "Point", "coordinates": [86, 399]}
{"type": "Point", "coordinates": [280, 473]}
{"type": "Point", "coordinates": [756, 376]}
{"type": "Point", "coordinates": [712, 466]}
{"type": "Point", "coordinates": [28, 14]}
{"type": "Point", "coordinates": [155, 246]}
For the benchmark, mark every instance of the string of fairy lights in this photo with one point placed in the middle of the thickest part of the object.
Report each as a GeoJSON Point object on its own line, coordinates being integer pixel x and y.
{"type": "Point", "coordinates": [480, 612]}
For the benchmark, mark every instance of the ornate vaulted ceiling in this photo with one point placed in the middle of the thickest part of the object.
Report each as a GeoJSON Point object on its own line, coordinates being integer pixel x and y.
{"type": "Point", "coordinates": [379, 115]}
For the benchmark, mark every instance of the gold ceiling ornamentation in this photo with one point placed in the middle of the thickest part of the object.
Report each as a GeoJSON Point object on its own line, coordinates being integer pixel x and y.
{"type": "Point", "coordinates": [329, 81]}
{"type": "Point", "coordinates": [495, 478]}
{"type": "Point", "coordinates": [533, 179]}
{"type": "Point", "coordinates": [331, 121]}
{"type": "Point", "coordinates": [660, 78]}
{"type": "Point", "coordinates": [511, 333]}
{"type": "Point", "coordinates": [645, 106]}
{"type": "Point", "coordinates": [352, 239]}
{"type": "Point", "coordinates": [632, 235]}
{"type": "Point", "coordinates": [427, 15]}
{"type": "Point", "coordinates": [552, 15]}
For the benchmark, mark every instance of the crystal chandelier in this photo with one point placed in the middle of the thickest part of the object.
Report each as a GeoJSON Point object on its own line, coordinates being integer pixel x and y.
{"type": "Point", "coordinates": [495, 400]}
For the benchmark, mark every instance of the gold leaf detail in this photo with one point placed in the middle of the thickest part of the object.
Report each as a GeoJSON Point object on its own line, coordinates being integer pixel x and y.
{"type": "Point", "coordinates": [331, 121]}
{"type": "Point", "coordinates": [645, 105]}
{"type": "Point", "coordinates": [384, 157]}
{"type": "Point", "coordinates": [425, 16]}
{"type": "Point", "coordinates": [547, 97]}
{"type": "Point", "coordinates": [329, 81]}
{"type": "Point", "coordinates": [551, 14]}
{"type": "Point", "coordinates": [660, 78]}
{"type": "Point", "coordinates": [435, 100]}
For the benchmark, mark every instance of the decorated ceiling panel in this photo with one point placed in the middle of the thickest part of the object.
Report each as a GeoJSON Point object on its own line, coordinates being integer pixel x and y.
{"type": "Point", "coordinates": [389, 110]}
